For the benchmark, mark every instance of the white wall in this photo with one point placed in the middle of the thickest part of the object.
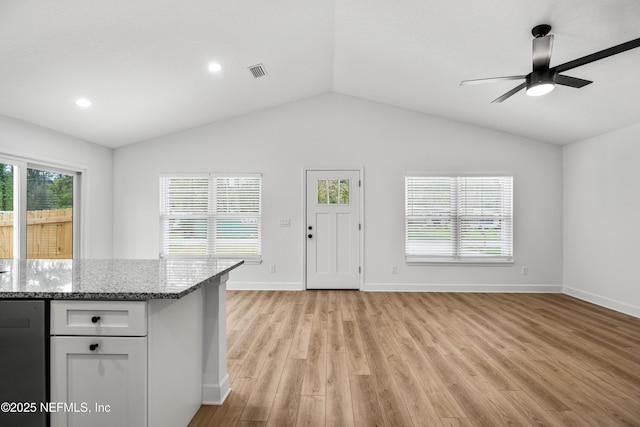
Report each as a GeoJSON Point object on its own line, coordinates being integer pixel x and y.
{"type": "Point", "coordinates": [602, 220]}
{"type": "Point", "coordinates": [22, 139]}
{"type": "Point", "coordinates": [336, 131]}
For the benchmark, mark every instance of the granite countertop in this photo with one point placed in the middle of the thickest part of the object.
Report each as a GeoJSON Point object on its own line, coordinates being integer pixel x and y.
{"type": "Point", "coordinates": [108, 279]}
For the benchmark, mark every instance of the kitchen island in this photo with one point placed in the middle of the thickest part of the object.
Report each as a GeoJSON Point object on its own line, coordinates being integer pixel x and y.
{"type": "Point", "coordinates": [132, 342]}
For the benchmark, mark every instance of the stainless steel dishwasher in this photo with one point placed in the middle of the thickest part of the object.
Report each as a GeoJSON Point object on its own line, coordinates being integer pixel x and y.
{"type": "Point", "coordinates": [24, 360]}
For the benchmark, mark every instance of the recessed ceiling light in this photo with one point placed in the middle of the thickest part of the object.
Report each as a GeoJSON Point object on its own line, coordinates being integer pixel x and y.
{"type": "Point", "coordinates": [83, 102]}
{"type": "Point", "coordinates": [214, 67]}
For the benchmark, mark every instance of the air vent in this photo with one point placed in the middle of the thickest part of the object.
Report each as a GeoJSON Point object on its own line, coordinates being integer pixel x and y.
{"type": "Point", "coordinates": [258, 71]}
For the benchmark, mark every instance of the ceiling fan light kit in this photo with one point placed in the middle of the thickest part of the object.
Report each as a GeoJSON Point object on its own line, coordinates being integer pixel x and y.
{"type": "Point", "coordinates": [538, 84]}
{"type": "Point", "coordinates": [543, 79]}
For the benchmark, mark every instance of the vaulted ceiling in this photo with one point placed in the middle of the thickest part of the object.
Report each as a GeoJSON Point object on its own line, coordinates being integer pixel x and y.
{"type": "Point", "coordinates": [143, 63]}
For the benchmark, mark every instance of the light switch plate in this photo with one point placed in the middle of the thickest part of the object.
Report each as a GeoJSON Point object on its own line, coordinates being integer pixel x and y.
{"type": "Point", "coordinates": [285, 222]}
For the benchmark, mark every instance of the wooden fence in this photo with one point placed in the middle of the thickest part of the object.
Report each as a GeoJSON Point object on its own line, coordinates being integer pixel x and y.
{"type": "Point", "coordinates": [49, 234]}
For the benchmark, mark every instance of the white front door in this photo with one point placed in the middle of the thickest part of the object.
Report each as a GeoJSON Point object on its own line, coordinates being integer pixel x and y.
{"type": "Point", "coordinates": [333, 229]}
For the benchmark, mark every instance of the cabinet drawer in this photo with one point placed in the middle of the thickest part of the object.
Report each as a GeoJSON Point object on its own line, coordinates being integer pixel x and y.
{"type": "Point", "coordinates": [114, 318]}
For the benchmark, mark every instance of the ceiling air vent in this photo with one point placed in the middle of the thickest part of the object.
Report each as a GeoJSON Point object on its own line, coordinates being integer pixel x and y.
{"type": "Point", "coordinates": [258, 71]}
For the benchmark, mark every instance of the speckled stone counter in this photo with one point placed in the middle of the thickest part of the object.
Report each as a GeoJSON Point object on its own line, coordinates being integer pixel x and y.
{"type": "Point", "coordinates": [108, 279]}
{"type": "Point", "coordinates": [178, 358]}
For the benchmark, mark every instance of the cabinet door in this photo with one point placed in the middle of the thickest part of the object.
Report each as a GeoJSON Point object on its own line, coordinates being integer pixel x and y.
{"type": "Point", "coordinates": [98, 381]}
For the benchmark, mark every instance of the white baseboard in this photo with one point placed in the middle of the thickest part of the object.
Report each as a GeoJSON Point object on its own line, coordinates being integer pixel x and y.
{"type": "Point", "coordinates": [427, 287]}
{"type": "Point", "coordinates": [264, 286]}
{"type": "Point", "coordinates": [215, 394]}
{"type": "Point", "coordinates": [612, 304]}
{"type": "Point", "coordinates": [402, 287]}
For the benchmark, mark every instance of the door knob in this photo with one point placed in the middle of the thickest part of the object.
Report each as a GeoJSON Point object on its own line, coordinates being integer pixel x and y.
{"type": "Point", "coordinates": [95, 319]}
{"type": "Point", "coordinates": [310, 236]}
{"type": "Point", "coordinates": [93, 347]}
{"type": "Point", "coordinates": [310, 228]}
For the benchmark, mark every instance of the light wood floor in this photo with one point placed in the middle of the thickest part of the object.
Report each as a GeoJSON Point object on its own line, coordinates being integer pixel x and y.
{"type": "Point", "coordinates": [330, 358]}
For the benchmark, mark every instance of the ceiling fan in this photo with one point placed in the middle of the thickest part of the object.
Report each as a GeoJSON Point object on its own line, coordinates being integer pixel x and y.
{"type": "Point", "coordinates": [543, 79]}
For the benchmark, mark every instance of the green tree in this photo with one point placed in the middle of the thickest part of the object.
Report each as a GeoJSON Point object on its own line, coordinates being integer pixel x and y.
{"type": "Point", "coordinates": [61, 191]}
{"type": "Point", "coordinates": [6, 188]}
{"type": "Point", "coordinates": [48, 190]}
{"type": "Point", "coordinates": [37, 190]}
{"type": "Point", "coordinates": [45, 190]}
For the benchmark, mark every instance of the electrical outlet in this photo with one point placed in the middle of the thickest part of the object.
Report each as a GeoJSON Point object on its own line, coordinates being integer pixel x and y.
{"type": "Point", "coordinates": [394, 269]}
{"type": "Point", "coordinates": [272, 269]}
{"type": "Point", "coordinates": [525, 271]}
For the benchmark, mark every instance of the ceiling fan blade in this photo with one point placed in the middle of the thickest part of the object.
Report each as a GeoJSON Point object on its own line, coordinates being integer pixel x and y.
{"type": "Point", "coordinates": [542, 52]}
{"type": "Point", "coordinates": [490, 80]}
{"type": "Point", "coordinates": [571, 81]}
{"type": "Point", "coordinates": [623, 47]}
{"type": "Point", "coordinates": [510, 93]}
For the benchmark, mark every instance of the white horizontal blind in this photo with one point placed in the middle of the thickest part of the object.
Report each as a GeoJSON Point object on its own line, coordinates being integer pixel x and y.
{"type": "Point", "coordinates": [485, 207]}
{"type": "Point", "coordinates": [184, 215]}
{"type": "Point", "coordinates": [459, 218]}
{"type": "Point", "coordinates": [211, 215]}
{"type": "Point", "coordinates": [237, 218]}
{"type": "Point", "coordinates": [431, 225]}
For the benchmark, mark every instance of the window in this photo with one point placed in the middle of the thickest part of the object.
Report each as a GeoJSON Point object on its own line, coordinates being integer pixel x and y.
{"type": "Point", "coordinates": [211, 215]}
{"type": "Point", "coordinates": [333, 191]}
{"type": "Point", "coordinates": [38, 218]}
{"type": "Point", "coordinates": [459, 218]}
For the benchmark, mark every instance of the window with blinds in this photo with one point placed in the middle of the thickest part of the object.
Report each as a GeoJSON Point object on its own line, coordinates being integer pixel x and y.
{"type": "Point", "coordinates": [459, 218]}
{"type": "Point", "coordinates": [211, 215]}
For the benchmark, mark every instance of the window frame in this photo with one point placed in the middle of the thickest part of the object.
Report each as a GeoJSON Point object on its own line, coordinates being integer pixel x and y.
{"type": "Point", "coordinates": [20, 201]}
{"type": "Point", "coordinates": [212, 216]}
{"type": "Point", "coordinates": [456, 258]}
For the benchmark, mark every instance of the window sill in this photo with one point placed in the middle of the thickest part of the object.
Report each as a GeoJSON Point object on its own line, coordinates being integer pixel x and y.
{"type": "Point", "coordinates": [506, 261]}
{"type": "Point", "coordinates": [247, 261]}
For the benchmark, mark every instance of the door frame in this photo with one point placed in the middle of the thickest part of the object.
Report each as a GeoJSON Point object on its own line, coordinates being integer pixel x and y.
{"type": "Point", "coordinates": [304, 220]}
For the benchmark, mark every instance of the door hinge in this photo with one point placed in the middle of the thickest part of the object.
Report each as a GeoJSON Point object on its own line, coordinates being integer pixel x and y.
{"type": "Point", "coordinates": [359, 226]}
{"type": "Point", "coordinates": [359, 270]}
{"type": "Point", "coordinates": [359, 183]}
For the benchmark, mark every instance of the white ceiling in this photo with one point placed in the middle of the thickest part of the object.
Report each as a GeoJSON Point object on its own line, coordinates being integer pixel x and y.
{"type": "Point", "coordinates": [143, 63]}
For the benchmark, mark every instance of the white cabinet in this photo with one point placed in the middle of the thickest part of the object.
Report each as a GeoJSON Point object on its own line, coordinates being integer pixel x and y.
{"type": "Point", "coordinates": [138, 363]}
{"type": "Point", "coordinates": [98, 379]}
{"type": "Point", "coordinates": [101, 380]}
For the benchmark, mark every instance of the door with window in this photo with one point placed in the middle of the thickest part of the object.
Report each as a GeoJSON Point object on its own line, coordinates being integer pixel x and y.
{"type": "Point", "coordinates": [37, 216]}
{"type": "Point", "coordinates": [333, 229]}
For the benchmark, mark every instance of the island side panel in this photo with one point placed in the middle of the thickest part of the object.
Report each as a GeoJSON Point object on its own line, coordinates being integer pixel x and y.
{"type": "Point", "coordinates": [175, 359]}
{"type": "Point", "coordinates": [216, 386]}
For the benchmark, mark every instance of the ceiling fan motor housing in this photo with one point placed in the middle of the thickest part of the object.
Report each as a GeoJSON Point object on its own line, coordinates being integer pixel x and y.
{"type": "Point", "coordinates": [535, 78]}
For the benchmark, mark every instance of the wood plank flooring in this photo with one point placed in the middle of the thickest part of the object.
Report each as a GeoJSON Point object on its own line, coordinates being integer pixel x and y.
{"type": "Point", "coordinates": [347, 358]}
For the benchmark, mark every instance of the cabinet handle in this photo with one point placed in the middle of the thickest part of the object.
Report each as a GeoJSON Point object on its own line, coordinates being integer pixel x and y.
{"type": "Point", "coordinates": [93, 347]}
{"type": "Point", "coordinates": [95, 319]}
